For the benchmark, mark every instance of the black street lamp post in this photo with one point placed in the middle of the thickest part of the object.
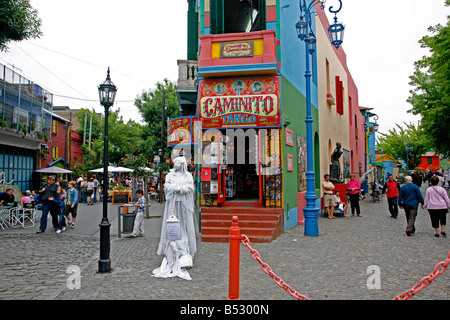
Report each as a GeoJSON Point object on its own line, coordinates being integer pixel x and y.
{"type": "Point", "coordinates": [161, 193]}
{"type": "Point", "coordinates": [107, 93]}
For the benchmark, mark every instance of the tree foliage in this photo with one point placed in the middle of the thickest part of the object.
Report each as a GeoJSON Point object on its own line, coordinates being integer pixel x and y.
{"type": "Point", "coordinates": [394, 142]}
{"type": "Point", "coordinates": [431, 81]}
{"type": "Point", "coordinates": [18, 21]}
{"type": "Point", "coordinates": [124, 137]}
{"type": "Point", "coordinates": [149, 104]}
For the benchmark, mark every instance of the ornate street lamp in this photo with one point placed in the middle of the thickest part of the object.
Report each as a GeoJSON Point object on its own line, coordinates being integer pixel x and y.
{"type": "Point", "coordinates": [376, 126]}
{"type": "Point", "coordinates": [306, 34]}
{"type": "Point", "coordinates": [301, 26]}
{"type": "Point", "coordinates": [336, 31]}
{"type": "Point", "coordinates": [107, 93]}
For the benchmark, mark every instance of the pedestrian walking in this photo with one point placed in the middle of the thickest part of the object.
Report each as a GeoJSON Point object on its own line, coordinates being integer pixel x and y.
{"type": "Point", "coordinates": [60, 205]}
{"type": "Point", "coordinates": [79, 180]}
{"type": "Point", "coordinates": [409, 199]}
{"type": "Point", "coordinates": [90, 191]}
{"type": "Point", "coordinates": [83, 186]}
{"type": "Point", "coordinates": [47, 193]}
{"type": "Point", "coordinates": [138, 229]}
{"type": "Point", "coordinates": [71, 208]}
{"type": "Point", "coordinates": [96, 185]}
{"type": "Point", "coordinates": [416, 179]}
{"type": "Point", "coordinates": [437, 203]}
{"type": "Point", "coordinates": [328, 199]}
{"type": "Point", "coordinates": [390, 190]}
{"type": "Point", "coordinates": [354, 188]}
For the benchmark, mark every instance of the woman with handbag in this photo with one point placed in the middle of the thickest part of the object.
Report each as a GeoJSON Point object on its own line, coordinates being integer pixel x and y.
{"type": "Point", "coordinates": [437, 203]}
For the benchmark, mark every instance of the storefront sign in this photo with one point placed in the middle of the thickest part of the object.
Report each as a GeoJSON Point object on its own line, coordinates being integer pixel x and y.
{"type": "Point", "coordinates": [239, 103]}
{"type": "Point", "coordinates": [179, 131]}
{"type": "Point", "coordinates": [236, 49]}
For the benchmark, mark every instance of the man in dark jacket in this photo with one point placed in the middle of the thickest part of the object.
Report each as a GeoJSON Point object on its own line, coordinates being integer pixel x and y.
{"type": "Point", "coordinates": [7, 197]}
{"type": "Point", "coordinates": [409, 199]}
{"type": "Point", "coordinates": [47, 193]}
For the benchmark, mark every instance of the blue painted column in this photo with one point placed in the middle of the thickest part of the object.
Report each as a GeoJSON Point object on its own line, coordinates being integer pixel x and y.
{"type": "Point", "coordinates": [311, 212]}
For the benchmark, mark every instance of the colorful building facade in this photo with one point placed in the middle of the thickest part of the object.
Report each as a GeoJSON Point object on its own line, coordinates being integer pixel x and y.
{"type": "Point", "coordinates": [429, 161]}
{"type": "Point", "coordinates": [248, 93]}
{"type": "Point", "coordinates": [25, 109]}
{"type": "Point", "coordinates": [64, 147]}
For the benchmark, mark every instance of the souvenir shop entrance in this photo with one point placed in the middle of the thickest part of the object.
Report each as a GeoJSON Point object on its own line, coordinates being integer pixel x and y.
{"type": "Point", "coordinates": [241, 167]}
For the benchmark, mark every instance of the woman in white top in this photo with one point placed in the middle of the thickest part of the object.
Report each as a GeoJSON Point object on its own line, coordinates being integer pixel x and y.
{"type": "Point", "coordinates": [90, 190]}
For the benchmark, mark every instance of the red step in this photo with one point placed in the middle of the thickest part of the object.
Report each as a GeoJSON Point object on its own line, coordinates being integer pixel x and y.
{"type": "Point", "coordinates": [258, 224]}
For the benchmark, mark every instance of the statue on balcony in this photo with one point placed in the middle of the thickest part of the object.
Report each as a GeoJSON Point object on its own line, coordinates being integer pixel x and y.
{"type": "Point", "coordinates": [335, 166]}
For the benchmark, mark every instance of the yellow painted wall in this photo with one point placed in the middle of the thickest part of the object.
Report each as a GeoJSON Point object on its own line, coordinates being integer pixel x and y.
{"type": "Point", "coordinates": [333, 127]}
{"type": "Point", "coordinates": [258, 48]}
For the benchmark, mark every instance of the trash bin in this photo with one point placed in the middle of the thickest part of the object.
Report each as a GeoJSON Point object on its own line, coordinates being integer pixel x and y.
{"type": "Point", "coordinates": [128, 222]}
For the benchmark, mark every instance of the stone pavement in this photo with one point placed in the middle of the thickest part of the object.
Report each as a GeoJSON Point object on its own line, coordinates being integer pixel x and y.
{"type": "Point", "coordinates": [331, 266]}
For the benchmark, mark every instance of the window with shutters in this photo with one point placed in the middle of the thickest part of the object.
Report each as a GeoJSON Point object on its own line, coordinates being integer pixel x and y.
{"type": "Point", "coordinates": [339, 96]}
{"type": "Point", "coordinates": [55, 153]}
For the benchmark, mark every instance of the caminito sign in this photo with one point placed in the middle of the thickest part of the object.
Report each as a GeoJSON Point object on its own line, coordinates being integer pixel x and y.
{"type": "Point", "coordinates": [239, 103]}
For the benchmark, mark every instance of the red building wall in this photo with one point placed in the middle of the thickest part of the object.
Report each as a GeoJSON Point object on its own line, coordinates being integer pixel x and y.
{"type": "Point", "coordinates": [68, 143]}
{"type": "Point", "coordinates": [76, 154]}
{"type": "Point", "coordinates": [434, 165]}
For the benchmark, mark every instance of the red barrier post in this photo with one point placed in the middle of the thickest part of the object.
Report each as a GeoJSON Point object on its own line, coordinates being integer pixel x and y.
{"type": "Point", "coordinates": [235, 242]}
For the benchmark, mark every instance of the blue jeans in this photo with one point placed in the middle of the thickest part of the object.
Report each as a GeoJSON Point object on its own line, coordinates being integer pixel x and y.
{"type": "Point", "coordinates": [62, 220]}
{"type": "Point", "coordinates": [83, 196]}
{"type": "Point", "coordinates": [46, 208]}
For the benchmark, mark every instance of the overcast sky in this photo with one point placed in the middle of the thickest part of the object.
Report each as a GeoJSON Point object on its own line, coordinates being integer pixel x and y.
{"type": "Point", "coordinates": [141, 41]}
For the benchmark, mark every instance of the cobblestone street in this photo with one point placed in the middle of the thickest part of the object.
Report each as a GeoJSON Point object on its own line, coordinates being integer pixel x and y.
{"type": "Point", "coordinates": [331, 266]}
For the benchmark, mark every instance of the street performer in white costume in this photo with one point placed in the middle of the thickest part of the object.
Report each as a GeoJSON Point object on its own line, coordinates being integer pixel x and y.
{"type": "Point", "coordinates": [179, 254]}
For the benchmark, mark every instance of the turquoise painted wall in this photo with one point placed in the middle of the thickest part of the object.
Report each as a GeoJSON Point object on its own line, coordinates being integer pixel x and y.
{"type": "Point", "coordinates": [293, 55]}
{"type": "Point", "coordinates": [293, 100]}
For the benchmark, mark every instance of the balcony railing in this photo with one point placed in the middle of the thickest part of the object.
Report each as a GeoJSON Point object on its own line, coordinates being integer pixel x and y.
{"type": "Point", "coordinates": [187, 75]}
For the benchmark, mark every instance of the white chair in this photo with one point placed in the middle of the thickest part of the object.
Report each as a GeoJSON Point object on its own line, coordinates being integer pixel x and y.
{"type": "Point", "coordinates": [21, 215]}
{"type": "Point", "coordinates": [17, 217]}
{"type": "Point", "coordinates": [29, 214]}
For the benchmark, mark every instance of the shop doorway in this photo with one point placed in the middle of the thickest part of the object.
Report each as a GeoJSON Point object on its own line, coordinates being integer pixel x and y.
{"type": "Point", "coordinates": [242, 178]}
{"type": "Point", "coordinates": [241, 168]}
{"type": "Point", "coordinates": [243, 183]}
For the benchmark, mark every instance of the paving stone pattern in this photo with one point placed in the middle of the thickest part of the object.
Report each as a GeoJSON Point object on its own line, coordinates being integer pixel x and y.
{"type": "Point", "coordinates": [331, 266]}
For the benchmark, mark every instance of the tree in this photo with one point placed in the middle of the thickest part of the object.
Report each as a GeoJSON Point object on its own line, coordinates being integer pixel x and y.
{"type": "Point", "coordinates": [124, 138]}
{"type": "Point", "coordinates": [394, 142]}
{"type": "Point", "coordinates": [431, 96]}
{"type": "Point", "coordinates": [149, 104]}
{"type": "Point", "coordinates": [18, 21]}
